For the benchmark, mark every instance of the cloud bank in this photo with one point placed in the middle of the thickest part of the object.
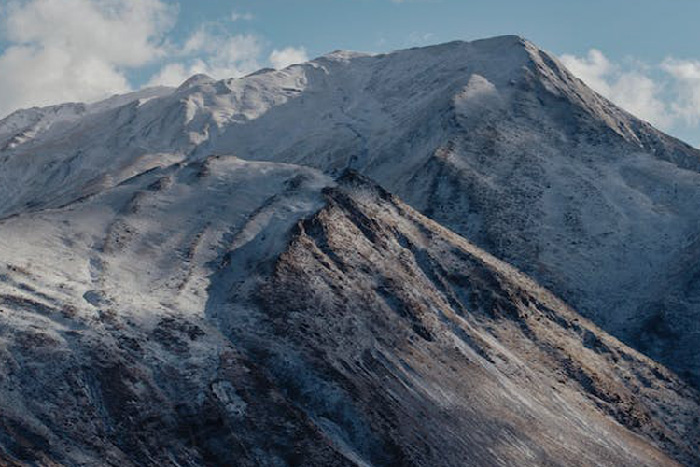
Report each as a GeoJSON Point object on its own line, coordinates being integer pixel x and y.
{"type": "Point", "coordinates": [76, 50]}
{"type": "Point", "coordinates": [85, 50]}
{"type": "Point", "coordinates": [213, 53]}
{"type": "Point", "coordinates": [667, 94]}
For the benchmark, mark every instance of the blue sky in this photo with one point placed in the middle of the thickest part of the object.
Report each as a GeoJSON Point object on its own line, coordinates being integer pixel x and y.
{"type": "Point", "coordinates": [647, 29]}
{"type": "Point", "coordinates": [642, 54]}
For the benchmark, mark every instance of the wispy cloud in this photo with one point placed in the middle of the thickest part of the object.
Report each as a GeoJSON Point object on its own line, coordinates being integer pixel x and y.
{"type": "Point", "coordinates": [211, 52]}
{"type": "Point", "coordinates": [238, 16]}
{"type": "Point", "coordinates": [74, 50]}
{"type": "Point", "coordinates": [421, 38]}
{"type": "Point", "coordinates": [84, 50]}
{"type": "Point", "coordinates": [667, 94]}
{"type": "Point", "coordinates": [686, 77]}
{"type": "Point", "coordinates": [630, 87]}
{"type": "Point", "coordinates": [288, 56]}
{"type": "Point", "coordinates": [216, 53]}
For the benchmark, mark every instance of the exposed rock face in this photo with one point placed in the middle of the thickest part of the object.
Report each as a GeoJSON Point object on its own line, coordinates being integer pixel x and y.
{"type": "Point", "coordinates": [388, 323]}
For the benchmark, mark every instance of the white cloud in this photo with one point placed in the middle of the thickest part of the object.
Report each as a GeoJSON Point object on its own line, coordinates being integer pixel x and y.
{"type": "Point", "coordinates": [592, 69]}
{"type": "Point", "coordinates": [85, 50]}
{"type": "Point", "coordinates": [630, 87]}
{"type": "Point", "coordinates": [667, 93]}
{"type": "Point", "coordinates": [686, 77]}
{"type": "Point", "coordinates": [174, 74]}
{"type": "Point", "coordinates": [641, 95]}
{"type": "Point", "coordinates": [213, 53]}
{"type": "Point", "coordinates": [289, 56]}
{"type": "Point", "coordinates": [77, 50]}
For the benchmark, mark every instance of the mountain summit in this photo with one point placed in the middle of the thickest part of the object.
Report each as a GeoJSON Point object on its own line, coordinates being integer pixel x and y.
{"type": "Point", "coordinates": [451, 255]}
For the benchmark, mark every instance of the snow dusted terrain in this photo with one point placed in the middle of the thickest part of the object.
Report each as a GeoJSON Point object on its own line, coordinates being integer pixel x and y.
{"type": "Point", "coordinates": [189, 280]}
{"type": "Point", "coordinates": [24, 125]}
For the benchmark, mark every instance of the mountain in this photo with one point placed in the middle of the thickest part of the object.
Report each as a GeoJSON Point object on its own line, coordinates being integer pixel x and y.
{"type": "Point", "coordinates": [24, 125]}
{"type": "Point", "coordinates": [495, 139]}
{"type": "Point", "coordinates": [252, 313]}
{"type": "Point", "coordinates": [211, 275]}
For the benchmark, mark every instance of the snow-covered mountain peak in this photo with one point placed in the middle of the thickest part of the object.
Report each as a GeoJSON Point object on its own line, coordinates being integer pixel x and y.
{"type": "Point", "coordinates": [343, 55]}
{"type": "Point", "coordinates": [500, 43]}
{"type": "Point", "coordinates": [119, 100]}
{"type": "Point", "coordinates": [341, 110]}
{"type": "Point", "coordinates": [195, 80]}
{"type": "Point", "coordinates": [23, 125]}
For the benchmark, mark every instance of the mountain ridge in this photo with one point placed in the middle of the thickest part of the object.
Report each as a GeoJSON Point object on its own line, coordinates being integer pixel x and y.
{"type": "Point", "coordinates": [254, 253]}
{"type": "Point", "coordinates": [326, 307]}
{"type": "Point", "coordinates": [592, 181]}
{"type": "Point", "coordinates": [482, 109]}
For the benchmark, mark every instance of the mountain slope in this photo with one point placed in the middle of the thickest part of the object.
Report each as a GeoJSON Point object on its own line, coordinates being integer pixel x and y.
{"type": "Point", "coordinates": [458, 357]}
{"type": "Point", "coordinates": [24, 125]}
{"type": "Point", "coordinates": [493, 138]}
{"type": "Point", "coordinates": [224, 311]}
{"type": "Point", "coordinates": [107, 356]}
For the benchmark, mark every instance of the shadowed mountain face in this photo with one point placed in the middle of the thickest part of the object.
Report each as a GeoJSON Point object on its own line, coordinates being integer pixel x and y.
{"type": "Point", "coordinates": [303, 321]}
{"type": "Point", "coordinates": [165, 303]}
